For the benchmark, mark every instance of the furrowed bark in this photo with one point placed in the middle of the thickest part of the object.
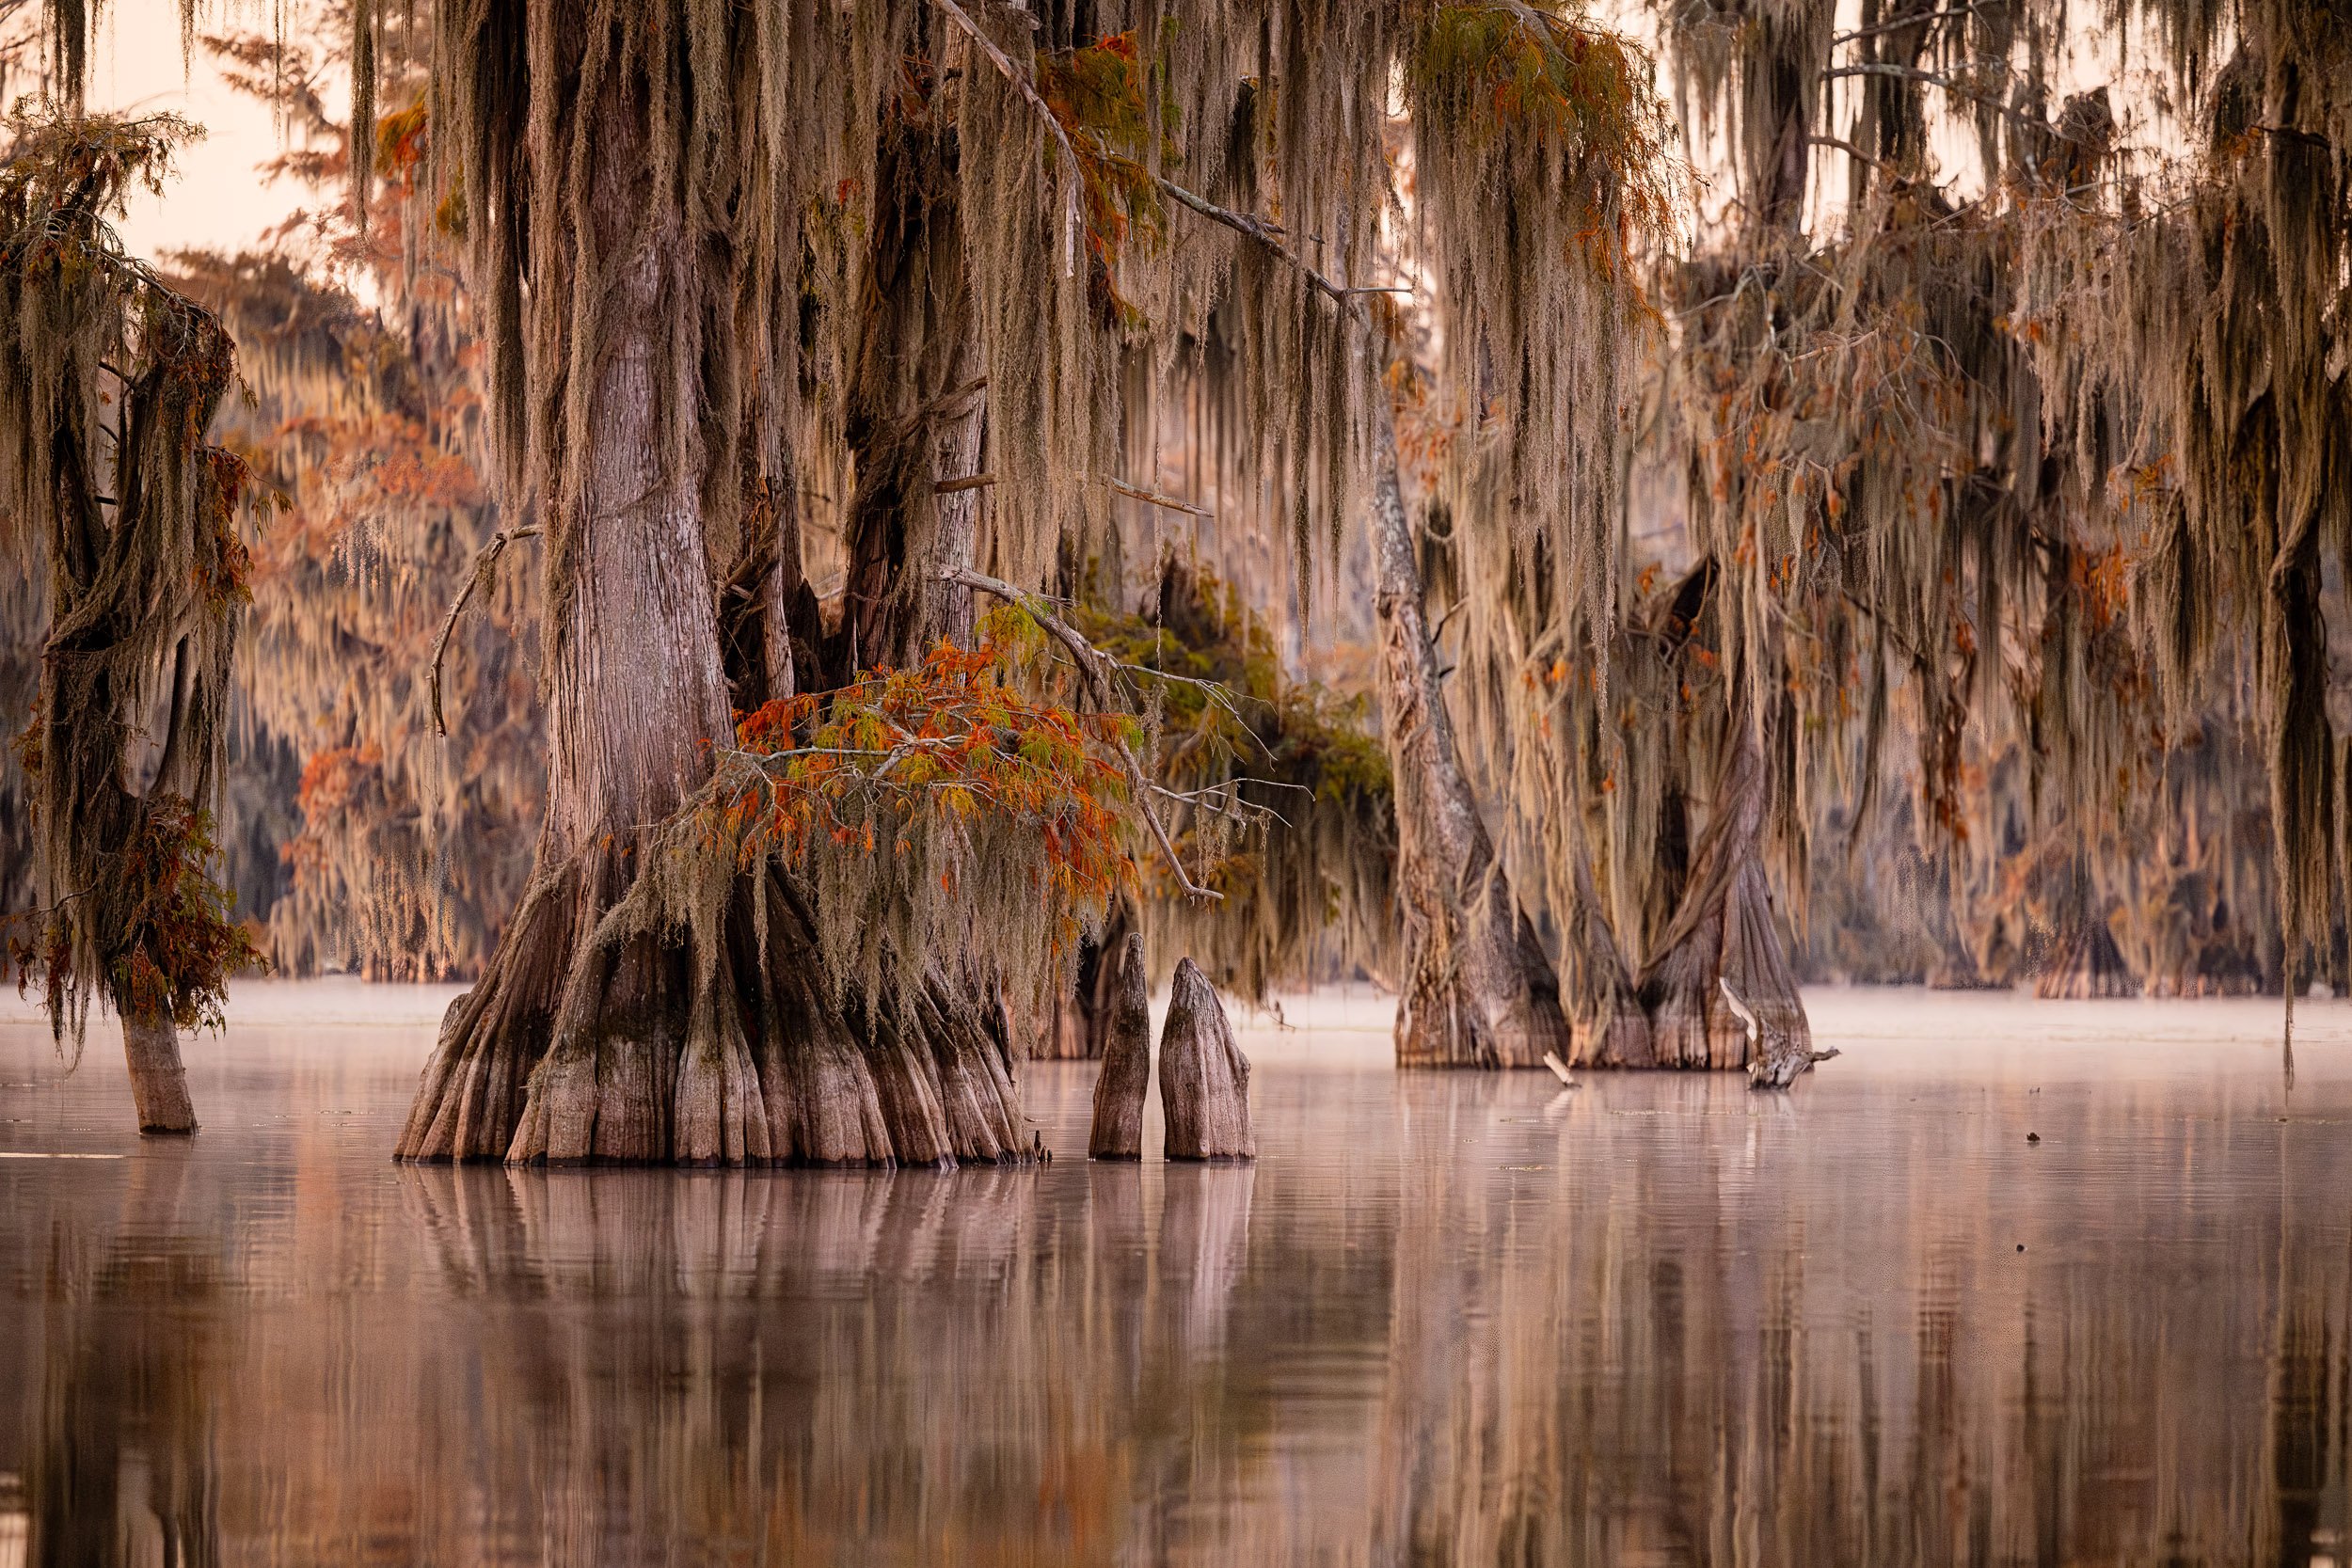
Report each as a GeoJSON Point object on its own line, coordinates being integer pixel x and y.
{"type": "Point", "coordinates": [159, 1084]}
{"type": "Point", "coordinates": [612, 1027]}
{"type": "Point", "coordinates": [1204, 1079]}
{"type": "Point", "coordinates": [1476, 992]}
{"type": "Point", "coordinates": [1722, 933]}
{"type": "Point", "coordinates": [1607, 1027]}
{"type": "Point", "coordinates": [1126, 1076]}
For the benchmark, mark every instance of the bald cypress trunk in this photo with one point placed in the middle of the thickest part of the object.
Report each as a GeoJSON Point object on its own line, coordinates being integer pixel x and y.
{"type": "Point", "coordinates": [159, 1084]}
{"type": "Point", "coordinates": [1476, 988]}
{"type": "Point", "coordinates": [917, 407]}
{"type": "Point", "coordinates": [1722, 935]}
{"type": "Point", "coordinates": [1205, 1078]}
{"type": "Point", "coordinates": [606, 1028]}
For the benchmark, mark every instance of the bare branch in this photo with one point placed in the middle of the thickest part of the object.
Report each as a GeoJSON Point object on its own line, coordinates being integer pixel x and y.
{"type": "Point", "coordinates": [1951, 84]}
{"type": "Point", "coordinates": [1021, 83]}
{"type": "Point", "coordinates": [1155, 499]}
{"type": "Point", "coordinates": [1254, 227]}
{"type": "Point", "coordinates": [1096, 668]}
{"type": "Point", "coordinates": [1849, 149]}
{"type": "Point", "coordinates": [483, 561]}
{"type": "Point", "coordinates": [1919, 20]}
{"type": "Point", "coordinates": [968, 481]}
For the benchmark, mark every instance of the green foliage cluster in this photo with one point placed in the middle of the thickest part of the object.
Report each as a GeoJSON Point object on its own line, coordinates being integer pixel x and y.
{"type": "Point", "coordinates": [1288, 806]}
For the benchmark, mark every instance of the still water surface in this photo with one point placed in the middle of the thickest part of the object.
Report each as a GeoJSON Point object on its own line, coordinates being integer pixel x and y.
{"type": "Point", "coordinates": [1446, 1319]}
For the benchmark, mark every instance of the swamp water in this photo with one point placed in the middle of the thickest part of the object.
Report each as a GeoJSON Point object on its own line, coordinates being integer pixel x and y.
{"type": "Point", "coordinates": [1446, 1319]}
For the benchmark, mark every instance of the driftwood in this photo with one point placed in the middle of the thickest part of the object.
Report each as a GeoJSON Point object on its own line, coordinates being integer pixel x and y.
{"type": "Point", "coordinates": [1776, 1056]}
{"type": "Point", "coordinates": [1204, 1079]}
{"type": "Point", "coordinates": [1126, 1076]}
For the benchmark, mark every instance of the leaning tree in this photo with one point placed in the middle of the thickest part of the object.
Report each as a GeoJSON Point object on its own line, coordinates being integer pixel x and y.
{"type": "Point", "coordinates": [109, 383]}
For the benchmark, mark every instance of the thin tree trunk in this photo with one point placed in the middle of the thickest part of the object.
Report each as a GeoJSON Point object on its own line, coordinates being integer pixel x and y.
{"type": "Point", "coordinates": [159, 1084]}
{"type": "Point", "coordinates": [1476, 992]}
{"type": "Point", "coordinates": [1722, 935]}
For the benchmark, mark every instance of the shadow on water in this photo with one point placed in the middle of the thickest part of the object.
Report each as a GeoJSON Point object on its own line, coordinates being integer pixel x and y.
{"type": "Point", "coordinates": [1447, 1318]}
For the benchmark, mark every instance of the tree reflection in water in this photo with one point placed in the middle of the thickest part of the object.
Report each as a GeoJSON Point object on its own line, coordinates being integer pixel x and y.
{"type": "Point", "coordinates": [1447, 1318]}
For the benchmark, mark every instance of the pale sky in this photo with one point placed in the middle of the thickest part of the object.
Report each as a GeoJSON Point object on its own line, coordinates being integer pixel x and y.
{"type": "Point", "coordinates": [220, 200]}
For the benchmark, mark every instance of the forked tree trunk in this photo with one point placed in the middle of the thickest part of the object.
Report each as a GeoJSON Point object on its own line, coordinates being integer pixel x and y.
{"type": "Point", "coordinates": [1476, 989]}
{"type": "Point", "coordinates": [159, 1084]}
{"type": "Point", "coordinates": [1722, 935]}
{"type": "Point", "coordinates": [597, 1032]}
{"type": "Point", "coordinates": [1204, 1079]}
{"type": "Point", "coordinates": [1126, 1077]}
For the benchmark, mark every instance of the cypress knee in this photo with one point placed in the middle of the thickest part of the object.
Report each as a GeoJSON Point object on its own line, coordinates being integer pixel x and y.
{"type": "Point", "coordinates": [1204, 1079]}
{"type": "Point", "coordinates": [1126, 1063]}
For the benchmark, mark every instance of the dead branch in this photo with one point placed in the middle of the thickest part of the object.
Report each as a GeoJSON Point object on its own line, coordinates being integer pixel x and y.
{"type": "Point", "coordinates": [484, 561]}
{"type": "Point", "coordinates": [1021, 83]}
{"type": "Point", "coordinates": [1154, 498]}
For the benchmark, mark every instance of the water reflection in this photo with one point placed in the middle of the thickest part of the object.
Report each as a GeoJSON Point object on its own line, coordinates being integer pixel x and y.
{"type": "Point", "coordinates": [1448, 1318]}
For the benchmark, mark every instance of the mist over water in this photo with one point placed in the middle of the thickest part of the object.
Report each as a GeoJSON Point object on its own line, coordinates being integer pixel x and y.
{"type": "Point", "coordinates": [1456, 1318]}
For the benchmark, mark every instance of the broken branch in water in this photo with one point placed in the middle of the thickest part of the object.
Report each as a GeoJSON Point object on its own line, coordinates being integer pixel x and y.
{"type": "Point", "coordinates": [483, 561]}
{"type": "Point", "coordinates": [1096, 668]}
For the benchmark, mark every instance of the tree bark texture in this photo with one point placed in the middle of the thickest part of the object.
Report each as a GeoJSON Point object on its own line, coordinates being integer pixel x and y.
{"type": "Point", "coordinates": [1204, 1079]}
{"type": "Point", "coordinates": [600, 1034]}
{"type": "Point", "coordinates": [1476, 989]}
{"type": "Point", "coordinates": [159, 1084]}
{"type": "Point", "coordinates": [1126, 1076]}
{"type": "Point", "coordinates": [917, 408]}
{"type": "Point", "coordinates": [1607, 1026]}
{"type": "Point", "coordinates": [2085, 963]}
{"type": "Point", "coordinates": [1722, 934]}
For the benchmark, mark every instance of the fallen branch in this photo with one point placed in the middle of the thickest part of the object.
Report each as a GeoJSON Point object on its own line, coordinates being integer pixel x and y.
{"type": "Point", "coordinates": [483, 561]}
{"type": "Point", "coordinates": [1096, 668]}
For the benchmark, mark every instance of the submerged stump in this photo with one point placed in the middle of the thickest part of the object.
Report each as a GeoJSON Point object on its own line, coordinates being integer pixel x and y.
{"type": "Point", "coordinates": [1126, 1076]}
{"type": "Point", "coordinates": [1204, 1079]}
